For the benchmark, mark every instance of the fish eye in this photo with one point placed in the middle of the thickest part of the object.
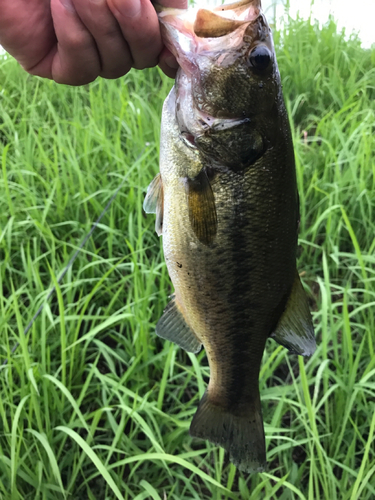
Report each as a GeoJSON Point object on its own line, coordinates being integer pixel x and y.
{"type": "Point", "coordinates": [260, 57]}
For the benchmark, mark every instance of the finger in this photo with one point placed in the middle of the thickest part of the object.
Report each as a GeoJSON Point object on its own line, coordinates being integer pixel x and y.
{"type": "Point", "coordinates": [115, 56]}
{"type": "Point", "coordinates": [140, 27]}
{"type": "Point", "coordinates": [75, 59]}
{"type": "Point", "coordinates": [26, 30]}
{"type": "Point", "coordinates": [168, 63]}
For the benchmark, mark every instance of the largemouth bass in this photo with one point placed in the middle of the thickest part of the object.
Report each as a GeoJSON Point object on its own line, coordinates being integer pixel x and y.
{"type": "Point", "coordinates": [226, 203]}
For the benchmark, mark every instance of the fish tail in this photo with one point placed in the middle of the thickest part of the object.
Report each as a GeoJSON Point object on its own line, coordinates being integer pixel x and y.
{"type": "Point", "coordinates": [241, 435]}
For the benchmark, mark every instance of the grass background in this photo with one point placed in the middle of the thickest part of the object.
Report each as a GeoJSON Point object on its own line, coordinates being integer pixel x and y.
{"type": "Point", "coordinates": [93, 405]}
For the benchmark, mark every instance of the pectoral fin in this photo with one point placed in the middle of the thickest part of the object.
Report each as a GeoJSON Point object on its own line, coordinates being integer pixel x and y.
{"type": "Point", "coordinates": [154, 202]}
{"type": "Point", "coordinates": [202, 210]}
{"type": "Point", "coordinates": [172, 326]}
{"type": "Point", "coordinates": [295, 330]}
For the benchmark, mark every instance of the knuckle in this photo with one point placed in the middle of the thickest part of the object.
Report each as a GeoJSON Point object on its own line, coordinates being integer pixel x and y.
{"type": "Point", "coordinates": [108, 32]}
{"type": "Point", "coordinates": [100, 21]}
{"type": "Point", "coordinates": [75, 41]}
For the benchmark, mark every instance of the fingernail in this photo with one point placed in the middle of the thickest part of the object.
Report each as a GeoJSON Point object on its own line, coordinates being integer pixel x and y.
{"type": "Point", "coordinates": [128, 8]}
{"type": "Point", "coordinates": [68, 5]}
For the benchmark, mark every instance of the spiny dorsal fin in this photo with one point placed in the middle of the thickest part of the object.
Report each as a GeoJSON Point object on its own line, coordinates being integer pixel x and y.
{"type": "Point", "coordinates": [172, 326]}
{"type": "Point", "coordinates": [202, 209]}
{"type": "Point", "coordinates": [207, 24]}
{"type": "Point", "coordinates": [154, 202]}
{"type": "Point", "coordinates": [295, 330]}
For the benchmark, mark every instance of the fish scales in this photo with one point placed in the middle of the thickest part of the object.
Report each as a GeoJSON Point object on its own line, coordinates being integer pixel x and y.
{"type": "Point", "coordinates": [229, 223]}
{"type": "Point", "coordinates": [239, 286]}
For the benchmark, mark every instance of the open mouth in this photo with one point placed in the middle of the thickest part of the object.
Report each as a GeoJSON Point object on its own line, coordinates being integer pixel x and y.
{"type": "Point", "coordinates": [235, 145]}
{"type": "Point", "coordinates": [209, 125]}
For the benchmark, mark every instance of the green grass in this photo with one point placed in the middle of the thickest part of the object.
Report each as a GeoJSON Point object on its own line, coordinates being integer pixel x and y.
{"type": "Point", "coordinates": [93, 405]}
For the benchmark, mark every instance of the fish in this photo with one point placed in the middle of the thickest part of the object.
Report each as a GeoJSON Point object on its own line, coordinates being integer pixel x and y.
{"type": "Point", "coordinates": [227, 207]}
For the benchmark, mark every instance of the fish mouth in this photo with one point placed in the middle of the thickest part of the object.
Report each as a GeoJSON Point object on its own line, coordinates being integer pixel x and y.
{"type": "Point", "coordinates": [212, 124]}
{"type": "Point", "coordinates": [189, 31]}
{"type": "Point", "coordinates": [227, 144]}
{"type": "Point", "coordinates": [209, 125]}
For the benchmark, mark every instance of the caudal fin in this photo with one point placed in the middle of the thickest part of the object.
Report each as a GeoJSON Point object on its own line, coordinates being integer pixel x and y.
{"type": "Point", "coordinates": [241, 435]}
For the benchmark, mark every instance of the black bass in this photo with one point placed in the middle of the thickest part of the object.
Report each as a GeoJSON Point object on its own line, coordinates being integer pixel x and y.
{"type": "Point", "coordinates": [226, 203]}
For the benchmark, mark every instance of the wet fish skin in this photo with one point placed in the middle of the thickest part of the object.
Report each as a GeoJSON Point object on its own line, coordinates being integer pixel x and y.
{"type": "Point", "coordinates": [230, 216]}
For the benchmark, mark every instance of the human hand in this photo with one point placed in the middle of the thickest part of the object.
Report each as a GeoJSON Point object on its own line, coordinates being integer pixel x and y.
{"type": "Point", "coordinates": [74, 41]}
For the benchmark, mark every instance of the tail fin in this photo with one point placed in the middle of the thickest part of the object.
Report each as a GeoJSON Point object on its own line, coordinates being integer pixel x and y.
{"type": "Point", "coordinates": [241, 435]}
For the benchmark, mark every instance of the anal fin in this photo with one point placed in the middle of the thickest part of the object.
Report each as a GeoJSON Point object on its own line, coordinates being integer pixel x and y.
{"type": "Point", "coordinates": [295, 330]}
{"type": "Point", "coordinates": [154, 202]}
{"type": "Point", "coordinates": [172, 326]}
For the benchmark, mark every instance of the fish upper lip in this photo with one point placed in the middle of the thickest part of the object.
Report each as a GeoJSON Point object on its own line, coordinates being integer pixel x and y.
{"type": "Point", "coordinates": [208, 121]}
{"type": "Point", "coordinates": [228, 123]}
{"type": "Point", "coordinates": [209, 124]}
